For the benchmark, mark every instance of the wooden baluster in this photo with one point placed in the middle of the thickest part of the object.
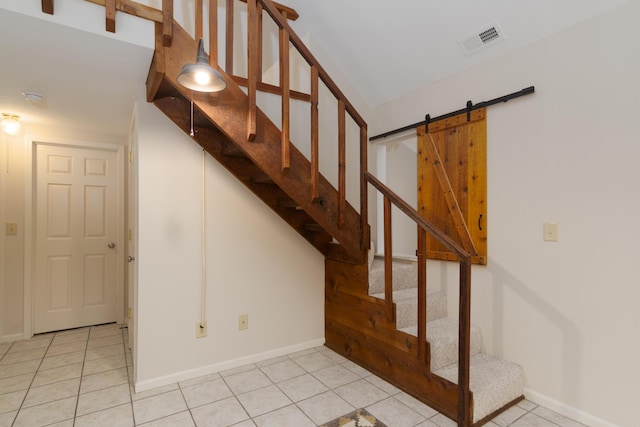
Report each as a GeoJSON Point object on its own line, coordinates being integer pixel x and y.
{"type": "Point", "coordinates": [229, 39]}
{"type": "Point", "coordinates": [388, 261]}
{"type": "Point", "coordinates": [110, 13]}
{"type": "Point", "coordinates": [464, 344]}
{"type": "Point", "coordinates": [47, 6]}
{"type": "Point", "coordinates": [259, 32]}
{"type": "Point", "coordinates": [167, 22]}
{"type": "Point", "coordinates": [342, 182]}
{"type": "Point", "coordinates": [252, 82]}
{"type": "Point", "coordinates": [284, 84]}
{"type": "Point", "coordinates": [315, 171]}
{"type": "Point", "coordinates": [423, 353]}
{"type": "Point", "coordinates": [198, 19]}
{"type": "Point", "coordinates": [364, 207]}
{"type": "Point", "coordinates": [213, 33]}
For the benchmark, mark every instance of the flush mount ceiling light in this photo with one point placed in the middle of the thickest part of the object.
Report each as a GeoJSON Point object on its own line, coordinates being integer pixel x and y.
{"type": "Point", "coordinates": [10, 124]}
{"type": "Point", "coordinates": [201, 77]}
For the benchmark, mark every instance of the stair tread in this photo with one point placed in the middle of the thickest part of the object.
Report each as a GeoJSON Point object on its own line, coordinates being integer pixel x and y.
{"type": "Point", "coordinates": [494, 382]}
{"type": "Point", "coordinates": [442, 335]}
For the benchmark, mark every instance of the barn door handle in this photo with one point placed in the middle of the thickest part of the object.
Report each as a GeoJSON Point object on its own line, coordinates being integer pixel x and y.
{"type": "Point", "coordinates": [111, 245]}
{"type": "Point", "coordinates": [480, 222]}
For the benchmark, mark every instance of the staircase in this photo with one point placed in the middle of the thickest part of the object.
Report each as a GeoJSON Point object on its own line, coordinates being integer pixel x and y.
{"type": "Point", "coordinates": [493, 381]}
{"type": "Point", "coordinates": [380, 316]}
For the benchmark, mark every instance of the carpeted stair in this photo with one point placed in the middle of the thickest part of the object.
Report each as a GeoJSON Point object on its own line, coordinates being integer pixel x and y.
{"type": "Point", "coordinates": [494, 382]}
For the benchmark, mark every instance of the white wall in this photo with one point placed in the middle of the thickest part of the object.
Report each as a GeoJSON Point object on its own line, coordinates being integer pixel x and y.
{"type": "Point", "coordinates": [257, 265]}
{"type": "Point", "coordinates": [566, 311]}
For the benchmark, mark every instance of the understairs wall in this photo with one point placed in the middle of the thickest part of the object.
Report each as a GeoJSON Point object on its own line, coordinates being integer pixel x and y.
{"type": "Point", "coordinates": [257, 265]}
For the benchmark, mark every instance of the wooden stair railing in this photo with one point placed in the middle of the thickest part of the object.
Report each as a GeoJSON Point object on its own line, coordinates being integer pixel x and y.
{"type": "Point", "coordinates": [232, 128]}
{"type": "Point", "coordinates": [465, 408]}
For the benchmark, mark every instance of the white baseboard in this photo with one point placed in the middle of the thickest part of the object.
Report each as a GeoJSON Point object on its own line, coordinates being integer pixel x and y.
{"type": "Point", "coordinates": [223, 366]}
{"type": "Point", "coordinates": [10, 338]}
{"type": "Point", "coordinates": [566, 410]}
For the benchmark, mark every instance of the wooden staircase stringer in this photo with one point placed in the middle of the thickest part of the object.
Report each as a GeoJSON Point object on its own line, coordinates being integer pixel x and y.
{"type": "Point", "coordinates": [228, 112]}
{"type": "Point", "coordinates": [356, 327]}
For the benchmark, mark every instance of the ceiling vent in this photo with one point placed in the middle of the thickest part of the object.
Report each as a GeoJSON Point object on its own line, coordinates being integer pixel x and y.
{"type": "Point", "coordinates": [481, 39]}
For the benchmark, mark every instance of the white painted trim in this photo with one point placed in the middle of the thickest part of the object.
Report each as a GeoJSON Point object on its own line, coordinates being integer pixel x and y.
{"type": "Point", "coordinates": [566, 410]}
{"type": "Point", "coordinates": [223, 366]}
{"type": "Point", "coordinates": [27, 323]}
{"type": "Point", "coordinates": [11, 338]}
{"type": "Point", "coordinates": [29, 246]}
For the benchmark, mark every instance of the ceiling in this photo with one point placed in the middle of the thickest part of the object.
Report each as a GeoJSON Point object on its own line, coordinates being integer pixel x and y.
{"type": "Point", "coordinates": [385, 49]}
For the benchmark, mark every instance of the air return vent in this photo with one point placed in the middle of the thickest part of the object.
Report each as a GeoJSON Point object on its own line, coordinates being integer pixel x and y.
{"type": "Point", "coordinates": [481, 39]}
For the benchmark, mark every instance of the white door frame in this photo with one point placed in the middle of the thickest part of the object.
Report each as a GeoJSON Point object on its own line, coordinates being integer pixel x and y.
{"type": "Point", "coordinates": [29, 218]}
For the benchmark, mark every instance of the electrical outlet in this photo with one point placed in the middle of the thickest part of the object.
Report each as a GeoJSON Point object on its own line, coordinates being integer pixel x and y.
{"type": "Point", "coordinates": [129, 313]}
{"type": "Point", "coordinates": [201, 329]}
{"type": "Point", "coordinates": [243, 322]}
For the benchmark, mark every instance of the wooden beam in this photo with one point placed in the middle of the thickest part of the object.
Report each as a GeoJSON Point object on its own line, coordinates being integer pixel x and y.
{"type": "Point", "coordinates": [47, 6]}
{"type": "Point", "coordinates": [110, 15]}
{"type": "Point", "coordinates": [130, 7]}
{"type": "Point", "coordinates": [269, 88]}
{"type": "Point", "coordinates": [292, 15]}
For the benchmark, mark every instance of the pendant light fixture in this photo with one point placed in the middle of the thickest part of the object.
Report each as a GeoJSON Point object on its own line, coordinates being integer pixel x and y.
{"type": "Point", "coordinates": [10, 124]}
{"type": "Point", "coordinates": [201, 77]}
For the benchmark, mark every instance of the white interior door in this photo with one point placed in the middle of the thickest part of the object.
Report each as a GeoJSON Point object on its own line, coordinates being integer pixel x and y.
{"type": "Point", "coordinates": [76, 232]}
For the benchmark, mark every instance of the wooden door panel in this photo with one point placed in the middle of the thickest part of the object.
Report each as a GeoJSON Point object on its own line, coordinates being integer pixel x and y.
{"type": "Point", "coordinates": [76, 220]}
{"type": "Point", "coordinates": [461, 147]}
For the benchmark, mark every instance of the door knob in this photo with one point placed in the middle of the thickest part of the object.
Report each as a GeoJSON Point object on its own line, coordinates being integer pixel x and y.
{"type": "Point", "coordinates": [131, 258]}
{"type": "Point", "coordinates": [111, 245]}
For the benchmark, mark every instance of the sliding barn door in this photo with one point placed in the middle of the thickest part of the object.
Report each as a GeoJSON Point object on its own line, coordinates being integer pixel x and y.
{"type": "Point", "coordinates": [460, 154]}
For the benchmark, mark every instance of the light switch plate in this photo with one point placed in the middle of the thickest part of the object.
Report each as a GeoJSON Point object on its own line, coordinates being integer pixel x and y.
{"type": "Point", "coordinates": [550, 230]}
{"type": "Point", "coordinates": [243, 322]}
{"type": "Point", "coordinates": [11, 229]}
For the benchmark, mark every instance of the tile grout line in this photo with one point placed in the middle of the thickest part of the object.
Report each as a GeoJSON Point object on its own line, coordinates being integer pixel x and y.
{"type": "Point", "coordinates": [32, 380]}
{"type": "Point", "coordinates": [84, 356]}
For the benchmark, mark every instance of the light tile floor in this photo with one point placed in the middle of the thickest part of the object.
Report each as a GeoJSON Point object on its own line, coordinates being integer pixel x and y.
{"type": "Point", "coordinates": [82, 377]}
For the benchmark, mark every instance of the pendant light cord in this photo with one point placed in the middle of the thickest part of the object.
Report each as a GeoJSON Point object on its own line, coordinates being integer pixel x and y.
{"type": "Point", "coordinates": [191, 132]}
{"type": "Point", "coordinates": [204, 240]}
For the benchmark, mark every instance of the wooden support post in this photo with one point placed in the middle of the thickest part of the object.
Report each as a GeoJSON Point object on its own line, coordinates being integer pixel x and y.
{"type": "Point", "coordinates": [315, 172]}
{"type": "Point", "coordinates": [423, 352]}
{"type": "Point", "coordinates": [47, 6]}
{"type": "Point", "coordinates": [228, 56]}
{"type": "Point", "coordinates": [199, 18]}
{"type": "Point", "coordinates": [213, 33]}
{"type": "Point", "coordinates": [284, 83]}
{"type": "Point", "coordinates": [465, 408]}
{"type": "Point", "coordinates": [110, 15]}
{"type": "Point", "coordinates": [252, 39]}
{"type": "Point", "coordinates": [167, 22]}
{"type": "Point", "coordinates": [388, 262]}
{"type": "Point", "coordinates": [342, 160]}
{"type": "Point", "coordinates": [259, 35]}
{"type": "Point", "coordinates": [364, 199]}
